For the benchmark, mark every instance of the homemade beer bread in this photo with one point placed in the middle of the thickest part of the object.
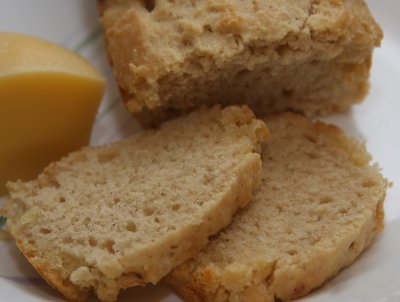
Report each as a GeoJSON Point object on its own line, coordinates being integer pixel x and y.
{"type": "Point", "coordinates": [318, 207]}
{"type": "Point", "coordinates": [170, 56]}
{"type": "Point", "coordinates": [111, 217]}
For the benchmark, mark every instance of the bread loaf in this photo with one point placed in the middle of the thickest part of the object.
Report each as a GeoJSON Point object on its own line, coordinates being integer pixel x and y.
{"type": "Point", "coordinates": [171, 56]}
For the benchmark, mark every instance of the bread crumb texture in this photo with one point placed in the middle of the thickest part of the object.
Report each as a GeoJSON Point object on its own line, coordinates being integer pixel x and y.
{"type": "Point", "coordinates": [308, 55]}
{"type": "Point", "coordinates": [318, 207]}
{"type": "Point", "coordinates": [111, 217]}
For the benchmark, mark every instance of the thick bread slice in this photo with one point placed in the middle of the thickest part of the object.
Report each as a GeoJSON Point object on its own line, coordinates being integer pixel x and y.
{"type": "Point", "coordinates": [316, 210]}
{"type": "Point", "coordinates": [171, 56]}
{"type": "Point", "coordinates": [111, 217]}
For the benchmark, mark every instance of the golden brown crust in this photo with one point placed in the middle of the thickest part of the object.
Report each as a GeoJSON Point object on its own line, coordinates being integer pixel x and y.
{"type": "Point", "coordinates": [186, 288]}
{"type": "Point", "coordinates": [70, 291]}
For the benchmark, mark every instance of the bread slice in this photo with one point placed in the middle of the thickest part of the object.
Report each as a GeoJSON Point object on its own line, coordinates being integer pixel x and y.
{"type": "Point", "coordinates": [317, 209]}
{"type": "Point", "coordinates": [112, 217]}
{"type": "Point", "coordinates": [170, 56]}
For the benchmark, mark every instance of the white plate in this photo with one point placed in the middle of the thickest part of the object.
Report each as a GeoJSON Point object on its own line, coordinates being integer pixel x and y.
{"type": "Point", "coordinates": [375, 276]}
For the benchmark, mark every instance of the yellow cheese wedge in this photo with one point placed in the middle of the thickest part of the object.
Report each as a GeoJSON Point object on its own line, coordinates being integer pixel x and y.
{"type": "Point", "coordinates": [48, 101]}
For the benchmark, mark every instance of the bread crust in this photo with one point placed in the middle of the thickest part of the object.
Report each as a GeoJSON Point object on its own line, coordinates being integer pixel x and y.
{"type": "Point", "coordinates": [53, 277]}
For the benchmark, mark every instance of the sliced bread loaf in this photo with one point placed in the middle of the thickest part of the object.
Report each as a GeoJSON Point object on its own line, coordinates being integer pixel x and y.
{"type": "Point", "coordinates": [171, 56]}
{"type": "Point", "coordinates": [317, 209]}
{"type": "Point", "coordinates": [111, 217]}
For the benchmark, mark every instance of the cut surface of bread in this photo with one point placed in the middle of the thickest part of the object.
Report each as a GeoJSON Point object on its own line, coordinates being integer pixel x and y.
{"type": "Point", "coordinates": [318, 207]}
{"type": "Point", "coordinates": [116, 216]}
{"type": "Point", "coordinates": [170, 56]}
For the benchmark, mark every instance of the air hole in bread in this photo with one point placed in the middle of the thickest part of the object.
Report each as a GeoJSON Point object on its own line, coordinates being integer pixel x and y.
{"type": "Point", "coordinates": [138, 276]}
{"type": "Point", "coordinates": [292, 252]}
{"type": "Point", "coordinates": [62, 199]}
{"type": "Point", "coordinates": [116, 200]}
{"type": "Point", "coordinates": [325, 199]}
{"type": "Point", "coordinates": [344, 211]}
{"type": "Point", "coordinates": [238, 40]}
{"type": "Point", "coordinates": [283, 50]}
{"type": "Point", "coordinates": [368, 183]}
{"type": "Point", "coordinates": [149, 5]}
{"type": "Point", "coordinates": [353, 246]}
{"type": "Point", "coordinates": [186, 43]}
{"type": "Point", "coordinates": [131, 226]}
{"type": "Point", "coordinates": [310, 138]}
{"type": "Point", "coordinates": [45, 231]}
{"type": "Point", "coordinates": [148, 211]}
{"type": "Point", "coordinates": [109, 245]}
{"type": "Point", "coordinates": [207, 179]}
{"type": "Point", "coordinates": [156, 219]}
{"type": "Point", "coordinates": [176, 206]}
{"type": "Point", "coordinates": [92, 241]}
